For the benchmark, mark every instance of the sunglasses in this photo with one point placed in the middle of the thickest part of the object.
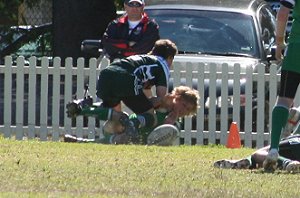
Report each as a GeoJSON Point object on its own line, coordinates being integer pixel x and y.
{"type": "Point", "coordinates": [134, 5]}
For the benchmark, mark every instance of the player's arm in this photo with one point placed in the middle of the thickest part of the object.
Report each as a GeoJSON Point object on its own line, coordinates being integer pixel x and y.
{"type": "Point", "coordinates": [156, 102]}
{"type": "Point", "coordinates": [281, 22]}
{"type": "Point", "coordinates": [161, 91]}
{"type": "Point", "coordinates": [150, 36]}
{"type": "Point", "coordinates": [148, 93]}
{"type": "Point", "coordinates": [171, 118]}
{"type": "Point", "coordinates": [111, 44]}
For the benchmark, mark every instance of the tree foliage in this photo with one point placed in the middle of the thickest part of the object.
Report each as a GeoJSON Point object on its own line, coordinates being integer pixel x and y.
{"type": "Point", "coordinates": [119, 4]}
{"type": "Point", "coordinates": [9, 9]}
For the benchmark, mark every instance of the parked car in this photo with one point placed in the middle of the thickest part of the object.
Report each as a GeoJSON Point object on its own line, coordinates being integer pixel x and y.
{"type": "Point", "coordinates": [275, 5]}
{"type": "Point", "coordinates": [218, 31]}
{"type": "Point", "coordinates": [26, 41]}
{"type": "Point", "coordinates": [228, 31]}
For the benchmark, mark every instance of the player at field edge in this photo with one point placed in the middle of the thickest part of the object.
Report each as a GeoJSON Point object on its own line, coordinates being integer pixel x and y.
{"type": "Point", "coordinates": [289, 146]}
{"type": "Point", "coordinates": [290, 76]}
{"type": "Point", "coordinates": [288, 159]}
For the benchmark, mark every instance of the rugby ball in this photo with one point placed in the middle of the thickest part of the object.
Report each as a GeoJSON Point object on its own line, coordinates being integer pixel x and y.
{"type": "Point", "coordinates": [164, 135]}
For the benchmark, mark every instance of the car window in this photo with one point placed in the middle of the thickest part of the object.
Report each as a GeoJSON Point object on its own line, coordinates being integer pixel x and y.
{"type": "Point", "coordinates": [275, 5]}
{"type": "Point", "coordinates": [37, 46]}
{"type": "Point", "coordinates": [8, 36]}
{"type": "Point", "coordinates": [26, 41]}
{"type": "Point", "coordinates": [198, 31]}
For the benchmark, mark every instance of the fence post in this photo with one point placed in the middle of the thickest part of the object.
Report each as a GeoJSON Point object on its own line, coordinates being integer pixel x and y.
{"type": "Point", "coordinates": [56, 99]}
{"type": "Point", "coordinates": [248, 107]}
{"type": "Point", "coordinates": [212, 106]}
{"type": "Point", "coordinates": [32, 98]}
{"type": "Point", "coordinates": [200, 112]}
{"type": "Point", "coordinates": [44, 99]}
{"type": "Point", "coordinates": [7, 96]}
{"type": "Point", "coordinates": [68, 93]}
{"type": "Point", "coordinates": [224, 105]}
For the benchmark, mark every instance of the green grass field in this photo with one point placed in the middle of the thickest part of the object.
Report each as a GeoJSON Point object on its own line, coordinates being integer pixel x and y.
{"type": "Point", "coordinates": [57, 169]}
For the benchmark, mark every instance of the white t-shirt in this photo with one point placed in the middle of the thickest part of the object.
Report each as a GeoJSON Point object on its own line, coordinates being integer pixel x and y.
{"type": "Point", "coordinates": [132, 25]}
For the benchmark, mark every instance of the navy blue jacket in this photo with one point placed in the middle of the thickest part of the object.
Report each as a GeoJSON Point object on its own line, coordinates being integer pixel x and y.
{"type": "Point", "coordinates": [116, 37]}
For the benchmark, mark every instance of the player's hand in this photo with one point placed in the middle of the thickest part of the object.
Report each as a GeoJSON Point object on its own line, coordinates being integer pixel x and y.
{"type": "Point", "coordinates": [74, 108]}
{"type": "Point", "coordinates": [171, 118]}
{"type": "Point", "coordinates": [279, 50]}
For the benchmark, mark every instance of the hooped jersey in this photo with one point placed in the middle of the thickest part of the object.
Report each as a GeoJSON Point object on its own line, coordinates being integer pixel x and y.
{"type": "Point", "coordinates": [294, 36]}
{"type": "Point", "coordinates": [145, 71]}
{"type": "Point", "coordinates": [289, 147]}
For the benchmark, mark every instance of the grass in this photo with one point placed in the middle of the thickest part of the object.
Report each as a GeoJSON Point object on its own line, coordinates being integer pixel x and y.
{"type": "Point", "coordinates": [57, 169]}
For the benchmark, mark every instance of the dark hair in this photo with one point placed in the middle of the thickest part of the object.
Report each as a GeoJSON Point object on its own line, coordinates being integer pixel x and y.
{"type": "Point", "coordinates": [164, 48]}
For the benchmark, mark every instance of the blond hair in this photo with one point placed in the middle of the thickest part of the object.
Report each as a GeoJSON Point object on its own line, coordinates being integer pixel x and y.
{"type": "Point", "coordinates": [189, 95]}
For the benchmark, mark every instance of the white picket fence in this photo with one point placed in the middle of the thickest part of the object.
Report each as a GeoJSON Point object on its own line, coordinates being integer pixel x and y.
{"type": "Point", "coordinates": [20, 103]}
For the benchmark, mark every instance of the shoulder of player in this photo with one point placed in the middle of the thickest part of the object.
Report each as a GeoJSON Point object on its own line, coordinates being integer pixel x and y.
{"type": "Point", "coordinates": [157, 60]}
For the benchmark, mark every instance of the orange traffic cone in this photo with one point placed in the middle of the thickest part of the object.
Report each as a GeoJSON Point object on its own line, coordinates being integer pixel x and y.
{"type": "Point", "coordinates": [234, 140]}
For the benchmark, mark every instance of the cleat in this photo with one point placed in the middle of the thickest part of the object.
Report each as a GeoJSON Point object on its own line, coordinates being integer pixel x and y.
{"type": "Point", "coordinates": [70, 138]}
{"type": "Point", "coordinates": [270, 163]}
{"type": "Point", "coordinates": [74, 138]}
{"type": "Point", "coordinates": [164, 135]}
{"type": "Point", "coordinates": [293, 167]}
{"type": "Point", "coordinates": [129, 128]}
{"type": "Point", "coordinates": [233, 164]}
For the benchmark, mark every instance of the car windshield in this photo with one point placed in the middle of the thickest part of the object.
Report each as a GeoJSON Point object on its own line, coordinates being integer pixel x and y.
{"type": "Point", "coordinates": [208, 32]}
{"type": "Point", "coordinates": [9, 35]}
{"type": "Point", "coordinates": [26, 41]}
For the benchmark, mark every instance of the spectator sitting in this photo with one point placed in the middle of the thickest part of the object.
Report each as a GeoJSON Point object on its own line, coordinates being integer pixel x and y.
{"type": "Point", "coordinates": [133, 33]}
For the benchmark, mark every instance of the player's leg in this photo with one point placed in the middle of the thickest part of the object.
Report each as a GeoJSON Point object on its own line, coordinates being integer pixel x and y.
{"type": "Point", "coordinates": [73, 138]}
{"type": "Point", "coordinates": [244, 163]}
{"type": "Point", "coordinates": [292, 122]}
{"type": "Point", "coordinates": [113, 84]}
{"type": "Point", "coordinates": [289, 154]}
{"type": "Point", "coordinates": [113, 133]}
{"type": "Point", "coordinates": [143, 109]}
{"type": "Point", "coordinates": [253, 161]}
{"type": "Point", "coordinates": [293, 167]}
{"type": "Point", "coordinates": [288, 87]}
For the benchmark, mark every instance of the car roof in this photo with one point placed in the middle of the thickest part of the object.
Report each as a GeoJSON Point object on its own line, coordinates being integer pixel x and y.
{"type": "Point", "coordinates": [229, 5]}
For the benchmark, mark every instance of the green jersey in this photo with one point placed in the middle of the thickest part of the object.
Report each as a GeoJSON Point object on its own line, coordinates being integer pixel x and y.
{"type": "Point", "coordinates": [290, 61]}
{"type": "Point", "coordinates": [129, 76]}
{"type": "Point", "coordinates": [294, 36]}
